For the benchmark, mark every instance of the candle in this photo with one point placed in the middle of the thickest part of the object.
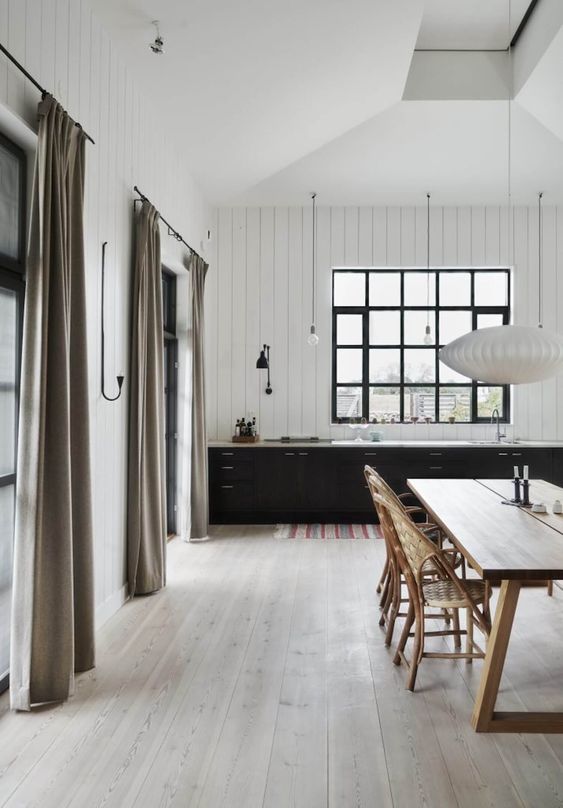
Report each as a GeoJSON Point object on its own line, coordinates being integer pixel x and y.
{"type": "Point", "coordinates": [525, 472]}
{"type": "Point", "coordinates": [516, 472]}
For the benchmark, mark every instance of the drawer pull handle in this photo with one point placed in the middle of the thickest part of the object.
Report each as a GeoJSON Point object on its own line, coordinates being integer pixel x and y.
{"type": "Point", "coordinates": [303, 454]}
{"type": "Point", "coordinates": [503, 454]}
{"type": "Point", "coordinates": [227, 454]}
{"type": "Point", "coordinates": [436, 468]}
{"type": "Point", "coordinates": [516, 454]}
{"type": "Point", "coordinates": [289, 454]}
{"type": "Point", "coordinates": [435, 454]}
{"type": "Point", "coordinates": [227, 486]}
{"type": "Point", "coordinates": [227, 468]}
{"type": "Point", "coordinates": [369, 454]}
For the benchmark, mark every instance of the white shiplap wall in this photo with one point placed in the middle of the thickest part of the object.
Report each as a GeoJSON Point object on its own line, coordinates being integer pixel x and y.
{"type": "Point", "coordinates": [262, 293]}
{"type": "Point", "coordinates": [63, 45]}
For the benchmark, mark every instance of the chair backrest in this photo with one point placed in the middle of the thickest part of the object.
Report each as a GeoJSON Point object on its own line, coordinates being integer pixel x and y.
{"type": "Point", "coordinates": [374, 478]}
{"type": "Point", "coordinates": [415, 546]}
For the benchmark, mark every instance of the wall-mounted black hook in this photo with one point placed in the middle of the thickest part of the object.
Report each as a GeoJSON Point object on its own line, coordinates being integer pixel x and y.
{"type": "Point", "coordinates": [119, 378]}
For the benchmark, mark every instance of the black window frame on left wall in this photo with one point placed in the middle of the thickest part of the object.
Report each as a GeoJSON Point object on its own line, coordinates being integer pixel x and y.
{"type": "Point", "coordinates": [12, 269]}
{"type": "Point", "coordinates": [171, 394]}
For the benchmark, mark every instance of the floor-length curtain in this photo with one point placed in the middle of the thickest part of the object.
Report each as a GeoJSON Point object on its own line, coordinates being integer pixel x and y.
{"type": "Point", "coordinates": [199, 505]}
{"type": "Point", "coordinates": [146, 524]}
{"type": "Point", "coordinates": [52, 633]}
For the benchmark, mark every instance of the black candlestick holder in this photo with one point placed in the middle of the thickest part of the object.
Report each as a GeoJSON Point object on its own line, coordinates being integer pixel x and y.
{"type": "Point", "coordinates": [516, 499]}
{"type": "Point", "coordinates": [526, 494]}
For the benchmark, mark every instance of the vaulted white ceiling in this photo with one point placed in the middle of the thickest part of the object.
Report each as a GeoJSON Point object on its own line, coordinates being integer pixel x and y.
{"type": "Point", "coordinates": [275, 98]}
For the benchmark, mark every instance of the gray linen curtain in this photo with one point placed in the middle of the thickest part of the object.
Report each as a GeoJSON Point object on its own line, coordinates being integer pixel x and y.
{"type": "Point", "coordinates": [146, 523]}
{"type": "Point", "coordinates": [52, 633]}
{"type": "Point", "coordinates": [198, 487]}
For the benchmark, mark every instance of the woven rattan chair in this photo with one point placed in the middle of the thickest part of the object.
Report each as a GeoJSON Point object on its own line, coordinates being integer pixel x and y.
{"type": "Point", "coordinates": [417, 555]}
{"type": "Point", "coordinates": [392, 596]}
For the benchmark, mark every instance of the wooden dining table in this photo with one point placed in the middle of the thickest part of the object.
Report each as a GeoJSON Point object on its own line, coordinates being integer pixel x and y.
{"type": "Point", "coordinates": [503, 544]}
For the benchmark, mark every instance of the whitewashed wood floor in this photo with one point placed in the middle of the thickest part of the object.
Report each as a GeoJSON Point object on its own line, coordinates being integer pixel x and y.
{"type": "Point", "coordinates": [259, 678]}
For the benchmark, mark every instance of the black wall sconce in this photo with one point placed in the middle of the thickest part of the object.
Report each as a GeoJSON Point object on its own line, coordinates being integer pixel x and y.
{"type": "Point", "coordinates": [263, 363]}
{"type": "Point", "coordinates": [119, 378]}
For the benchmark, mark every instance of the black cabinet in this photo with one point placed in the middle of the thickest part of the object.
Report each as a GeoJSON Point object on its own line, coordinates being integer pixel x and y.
{"type": "Point", "coordinates": [268, 484]}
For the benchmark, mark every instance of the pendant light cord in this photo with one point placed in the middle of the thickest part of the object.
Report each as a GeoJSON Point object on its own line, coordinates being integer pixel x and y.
{"type": "Point", "coordinates": [314, 198]}
{"type": "Point", "coordinates": [427, 259]}
{"type": "Point", "coordinates": [540, 259]}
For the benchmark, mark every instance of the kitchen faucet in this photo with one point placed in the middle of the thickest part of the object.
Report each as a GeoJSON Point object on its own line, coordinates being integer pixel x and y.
{"type": "Point", "coordinates": [495, 414]}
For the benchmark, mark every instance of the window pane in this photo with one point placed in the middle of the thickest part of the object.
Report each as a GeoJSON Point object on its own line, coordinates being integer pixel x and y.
{"type": "Point", "coordinates": [488, 399]}
{"type": "Point", "coordinates": [455, 289]}
{"type": "Point", "coordinates": [449, 375]}
{"type": "Point", "coordinates": [384, 403]}
{"type": "Point", "coordinates": [415, 326]}
{"type": "Point", "coordinates": [384, 327]}
{"type": "Point", "coordinates": [491, 289]}
{"type": "Point", "coordinates": [348, 402]}
{"type": "Point", "coordinates": [349, 365]}
{"type": "Point", "coordinates": [415, 289]}
{"type": "Point", "coordinates": [349, 289]}
{"type": "Point", "coordinates": [9, 203]}
{"type": "Point", "coordinates": [488, 320]}
{"type": "Point", "coordinates": [455, 403]}
{"type": "Point", "coordinates": [420, 403]}
{"type": "Point", "coordinates": [384, 365]}
{"type": "Point", "coordinates": [8, 332]}
{"type": "Point", "coordinates": [384, 289]}
{"type": "Point", "coordinates": [454, 324]}
{"type": "Point", "coordinates": [6, 543]}
{"type": "Point", "coordinates": [420, 365]}
{"type": "Point", "coordinates": [349, 329]}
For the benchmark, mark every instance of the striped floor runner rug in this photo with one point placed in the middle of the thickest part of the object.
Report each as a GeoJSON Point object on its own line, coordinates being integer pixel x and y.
{"type": "Point", "coordinates": [327, 532]}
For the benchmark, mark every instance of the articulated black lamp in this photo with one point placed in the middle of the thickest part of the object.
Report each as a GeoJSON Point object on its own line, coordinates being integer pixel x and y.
{"type": "Point", "coordinates": [263, 363]}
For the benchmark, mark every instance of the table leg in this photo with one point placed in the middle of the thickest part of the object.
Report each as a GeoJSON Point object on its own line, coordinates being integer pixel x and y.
{"type": "Point", "coordinates": [495, 656]}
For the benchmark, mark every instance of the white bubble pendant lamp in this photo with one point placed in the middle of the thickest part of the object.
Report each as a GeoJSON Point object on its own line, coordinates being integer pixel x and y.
{"type": "Point", "coordinates": [506, 354]}
{"type": "Point", "coordinates": [509, 354]}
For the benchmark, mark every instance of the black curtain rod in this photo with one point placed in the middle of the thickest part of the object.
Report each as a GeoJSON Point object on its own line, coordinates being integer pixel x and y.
{"type": "Point", "coordinates": [171, 230]}
{"type": "Point", "coordinates": [41, 89]}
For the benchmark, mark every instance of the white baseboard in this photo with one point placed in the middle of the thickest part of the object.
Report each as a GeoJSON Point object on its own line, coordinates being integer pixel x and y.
{"type": "Point", "coordinates": [110, 606]}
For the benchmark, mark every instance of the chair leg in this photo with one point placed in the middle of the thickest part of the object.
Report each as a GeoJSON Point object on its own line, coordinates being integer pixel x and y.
{"type": "Point", "coordinates": [409, 620]}
{"type": "Point", "coordinates": [417, 651]}
{"type": "Point", "coordinates": [469, 639]}
{"type": "Point", "coordinates": [455, 620]}
{"type": "Point", "coordinates": [388, 595]}
{"type": "Point", "coordinates": [385, 590]}
{"type": "Point", "coordinates": [395, 605]}
{"type": "Point", "coordinates": [379, 586]}
{"type": "Point", "coordinates": [550, 588]}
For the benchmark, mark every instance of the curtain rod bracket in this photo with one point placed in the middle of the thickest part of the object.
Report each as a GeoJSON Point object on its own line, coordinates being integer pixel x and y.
{"type": "Point", "coordinates": [171, 230]}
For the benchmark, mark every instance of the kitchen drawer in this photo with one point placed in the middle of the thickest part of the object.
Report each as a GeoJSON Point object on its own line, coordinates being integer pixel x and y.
{"type": "Point", "coordinates": [233, 496]}
{"type": "Point", "coordinates": [231, 468]}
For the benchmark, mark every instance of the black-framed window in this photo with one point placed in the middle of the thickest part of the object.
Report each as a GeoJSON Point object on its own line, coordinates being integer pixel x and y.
{"type": "Point", "coordinates": [170, 393]}
{"type": "Point", "coordinates": [384, 366]}
{"type": "Point", "coordinates": [13, 166]}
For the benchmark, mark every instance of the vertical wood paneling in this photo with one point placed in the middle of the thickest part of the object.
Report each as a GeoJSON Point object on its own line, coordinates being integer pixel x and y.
{"type": "Point", "coordinates": [254, 377]}
{"type": "Point", "coordinates": [295, 323]}
{"type": "Point", "coordinates": [324, 320]}
{"type": "Point", "coordinates": [280, 344]}
{"type": "Point", "coordinates": [309, 353]}
{"type": "Point", "coordinates": [351, 237]}
{"type": "Point", "coordinates": [383, 237]}
{"type": "Point", "coordinates": [226, 281]}
{"type": "Point", "coordinates": [267, 313]}
{"type": "Point", "coordinates": [365, 237]}
{"type": "Point", "coordinates": [394, 236]}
